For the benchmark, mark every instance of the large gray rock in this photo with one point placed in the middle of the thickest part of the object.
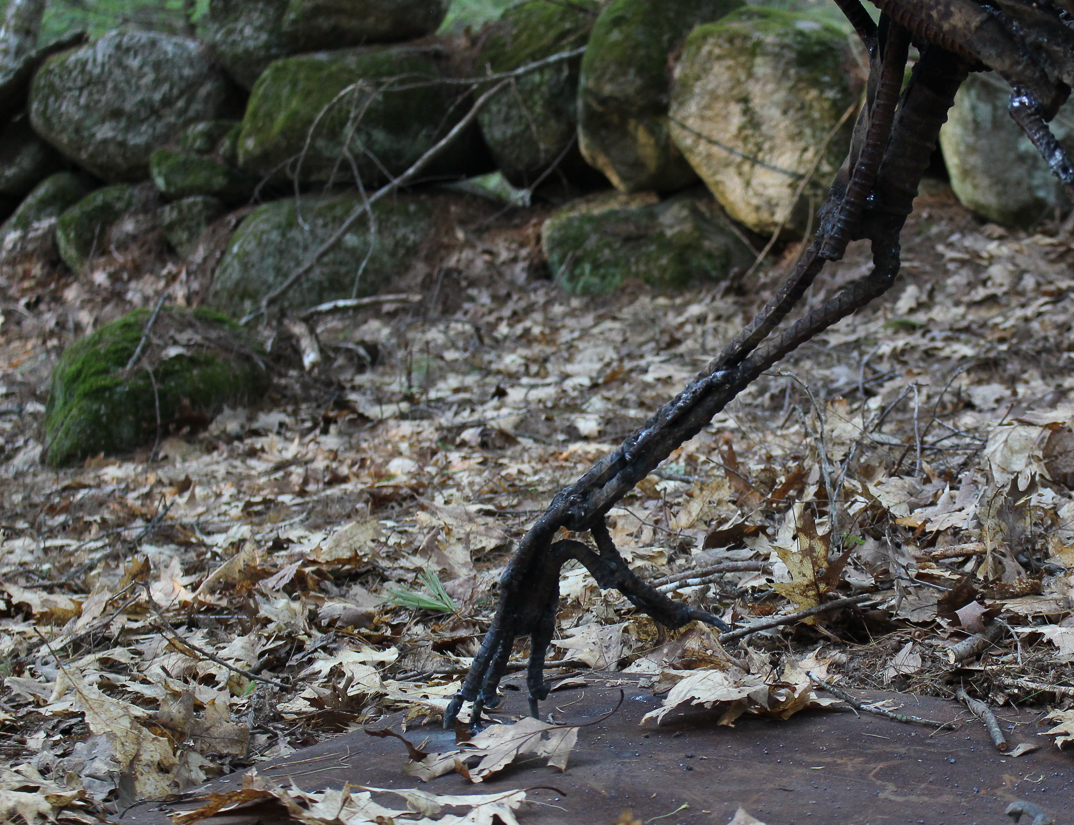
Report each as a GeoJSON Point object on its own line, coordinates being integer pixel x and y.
{"type": "Point", "coordinates": [994, 169]}
{"type": "Point", "coordinates": [245, 36]}
{"type": "Point", "coordinates": [595, 244]}
{"type": "Point", "coordinates": [312, 25]}
{"type": "Point", "coordinates": [277, 238]}
{"type": "Point", "coordinates": [31, 229]}
{"type": "Point", "coordinates": [194, 362]}
{"type": "Point", "coordinates": [365, 119]}
{"type": "Point", "coordinates": [755, 99]}
{"type": "Point", "coordinates": [532, 125]}
{"type": "Point", "coordinates": [623, 97]}
{"type": "Point", "coordinates": [108, 105]}
{"type": "Point", "coordinates": [15, 79]}
{"type": "Point", "coordinates": [83, 231]}
{"type": "Point", "coordinates": [25, 159]}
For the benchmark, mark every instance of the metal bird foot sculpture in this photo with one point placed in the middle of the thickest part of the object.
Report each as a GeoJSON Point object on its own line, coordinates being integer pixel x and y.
{"type": "Point", "coordinates": [1031, 44]}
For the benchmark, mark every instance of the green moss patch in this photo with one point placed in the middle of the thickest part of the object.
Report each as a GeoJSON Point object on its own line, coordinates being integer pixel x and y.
{"type": "Point", "coordinates": [594, 248]}
{"type": "Point", "coordinates": [193, 363]}
{"type": "Point", "coordinates": [185, 174]}
{"type": "Point", "coordinates": [81, 230]}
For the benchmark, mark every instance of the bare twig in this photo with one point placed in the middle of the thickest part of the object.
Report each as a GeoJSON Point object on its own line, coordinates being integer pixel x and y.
{"type": "Point", "coordinates": [1032, 685]}
{"type": "Point", "coordinates": [858, 705]}
{"type": "Point", "coordinates": [344, 304]}
{"type": "Point", "coordinates": [706, 575]}
{"type": "Point", "coordinates": [975, 645]}
{"type": "Point", "coordinates": [136, 356]}
{"type": "Point", "coordinates": [791, 618]}
{"type": "Point", "coordinates": [178, 639]}
{"type": "Point", "coordinates": [954, 551]}
{"type": "Point", "coordinates": [984, 713]}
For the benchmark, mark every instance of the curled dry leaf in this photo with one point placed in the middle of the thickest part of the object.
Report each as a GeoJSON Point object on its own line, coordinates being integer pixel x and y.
{"type": "Point", "coordinates": [1064, 730]}
{"type": "Point", "coordinates": [497, 747]}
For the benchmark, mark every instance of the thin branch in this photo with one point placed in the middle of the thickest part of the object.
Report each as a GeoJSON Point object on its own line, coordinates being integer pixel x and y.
{"type": "Point", "coordinates": [136, 356]}
{"type": "Point", "coordinates": [791, 618]}
{"type": "Point", "coordinates": [984, 713]}
{"type": "Point", "coordinates": [344, 304]}
{"type": "Point", "coordinates": [858, 705]}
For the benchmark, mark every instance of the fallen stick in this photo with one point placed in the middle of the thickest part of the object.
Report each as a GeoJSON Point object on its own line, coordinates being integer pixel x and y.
{"type": "Point", "coordinates": [905, 718]}
{"type": "Point", "coordinates": [1029, 684]}
{"type": "Point", "coordinates": [790, 618]}
{"type": "Point", "coordinates": [706, 575]}
{"type": "Point", "coordinates": [975, 645]}
{"type": "Point", "coordinates": [984, 713]}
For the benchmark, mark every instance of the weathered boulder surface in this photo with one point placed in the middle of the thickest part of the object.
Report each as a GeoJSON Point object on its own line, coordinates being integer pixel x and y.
{"type": "Point", "coordinates": [595, 244]}
{"type": "Point", "coordinates": [624, 91]}
{"type": "Point", "coordinates": [183, 221]}
{"type": "Point", "coordinates": [194, 363]}
{"type": "Point", "coordinates": [109, 104]}
{"type": "Point", "coordinates": [206, 137]}
{"type": "Point", "coordinates": [185, 174]}
{"type": "Point", "coordinates": [366, 118]}
{"type": "Point", "coordinates": [532, 125]}
{"type": "Point", "coordinates": [31, 228]}
{"type": "Point", "coordinates": [83, 230]}
{"type": "Point", "coordinates": [245, 36]}
{"type": "Point", "coordinates": [313, 25]}
{"type": "Point", "coordinates": [25, 159]}
{"type": "Point", "coordinates": [276, 239]}
{"type": "Point", "coordinates": [15, 79]}
{"type": "Point", "coordinates": [994, 169]}
{"type": "Point", "coordinates": [756, 96]}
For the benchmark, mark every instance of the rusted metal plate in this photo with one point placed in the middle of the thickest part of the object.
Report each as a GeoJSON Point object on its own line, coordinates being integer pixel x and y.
{"type": "Point", "coordinates": [817, 767]}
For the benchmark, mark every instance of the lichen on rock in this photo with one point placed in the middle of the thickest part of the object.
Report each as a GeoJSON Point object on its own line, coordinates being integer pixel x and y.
{"type": "Point", "coordinates": [756, 98]}
{"type": "Point", "coordinates": [624, 91]}
{"type": "Point", "coordinates": [320, 118]}
{"type": "Point", "coordinates": [245, 36]}
{"type": "Point", "coordinates": [276, 239]}
{"type": "Point", "coordinates": [194, 363]}
{"type": "Point", "coordinates": [595, 244]}
{"type": "Point", "coordinates": [532, 125]}
{"type": "Point", "coordinates": [178, 174]}
{"type": "Point", "coordinates": [109, 104]}
{"type": "Point", "coordinates": [994, 169]}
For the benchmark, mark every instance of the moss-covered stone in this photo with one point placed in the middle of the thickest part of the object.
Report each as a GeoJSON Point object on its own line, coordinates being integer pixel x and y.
{"type": "Point", "coordinates": [277, 238]}
{"type": "Point", "coordinates": [755, 99]}
{"type": "Point", "coordinates": [82, 230]}
{"type": "Point", "coordinates": [185, 174]}
{"type": "Point", "coordinates": [533, 124]}
{"type": "Point", "coordinates": [228, 147]}
{"type": "Point", "coordinates": [193, 364]}
{"type": "Point", "coordinates": [108, 105]}
{"type": "Point", "coordinates": [245, 36]}
{"type": "Point", "coordinates": [313, 25]}
{"type": "Point", "coordinates": [624, 91]}
{"type": "Point", "coordinates": [367, 117]}
{"type": "Point", "coordinates": [48, 200]}
{"type": "Point", "coordinates": [204, 137]}
{"type": "Point", "coordinates": [994, 169]}
{"type": "Point", "coordinates": [25, 159]}
{"type": "Point", "coordinates": [597, 244]}
{"type": "Point", "coordinates": [183, 221]}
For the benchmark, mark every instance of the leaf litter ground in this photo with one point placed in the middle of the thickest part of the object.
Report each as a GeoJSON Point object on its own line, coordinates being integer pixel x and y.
{"type": "Point", "coordinates": [233, 594]}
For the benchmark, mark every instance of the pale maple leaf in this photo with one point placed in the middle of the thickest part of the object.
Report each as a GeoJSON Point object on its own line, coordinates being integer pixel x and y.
{"type": "Point", "coordinates": [498, 746]}
{"type": "Point", "coordinates": [1064, 731]}
{"type": "Point", "coordinates": [813, 576]}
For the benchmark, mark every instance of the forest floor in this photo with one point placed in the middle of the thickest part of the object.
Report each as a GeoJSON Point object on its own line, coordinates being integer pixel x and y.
{"type": "Point", "coordinates": [234, 594]}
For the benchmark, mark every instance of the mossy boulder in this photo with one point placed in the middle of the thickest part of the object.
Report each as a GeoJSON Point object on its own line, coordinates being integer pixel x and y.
{"type": "Point", "coordinates": [206, 136]}
{"type": "Point", "coordinates": [83, 229]}
{"type": "Point", "coordinates": [25, 159]}
{"type": "Point", "coordinates": [179, 174]}
{"type": "Point", "coordinates": [245, 36]}
{"type": "Point", "coordinates": [276, 239]}
{"type": "Point", "coordinates": [109, 104]}
{"type": "Point", "coordinates": [32, 225]}
{"type": "Point", "coordinates": [596, 244]}
{"type": "Point", "coordinates": [756, 97]}
{"type": "Point", "coordinates": [193, 363]}
{"type": "Point", "coordinates": [313, 25]}
{"type": "Point", "coordinates": [183, 221]}
{"type": "Point", "coordinates": [625, 87]}
{"type": "Point", "coordinates": [320, 117]}
{"type": "Point", "coordinates": [994, 169]}
{"type": "Point", "coordinates": [532, 125]}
